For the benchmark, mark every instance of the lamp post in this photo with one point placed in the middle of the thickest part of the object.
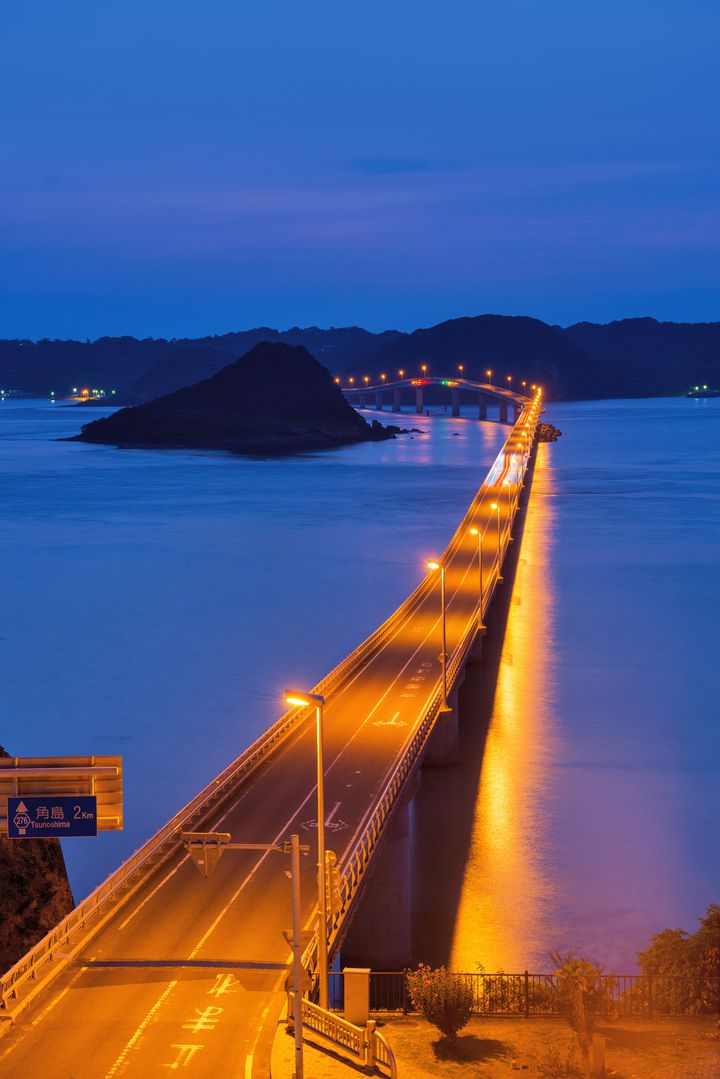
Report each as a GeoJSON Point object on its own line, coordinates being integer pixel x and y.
{"type": "Point", "coordinates": [496, 506]}
{"type": "Point", "coordinates": [443, 655]}
{"type": "Point", "coordinates": [315, 699]}
{"type": "Point", "coordinates": [489, 374]}
{"type": "Point", "coordinates": [478, 533]}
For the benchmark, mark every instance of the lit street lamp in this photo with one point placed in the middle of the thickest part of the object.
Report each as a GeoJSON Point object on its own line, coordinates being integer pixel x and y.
{"type": "Point", "coordinates": [423, 368]}
{"type": "Point", "coordinates": [478, 533]}
{"type": "Point", "coordinates": [314, 699]}
{"type": "Point", "coordinates": [443, 655]}
{"type": "Point", "coordinates": [489, 375]}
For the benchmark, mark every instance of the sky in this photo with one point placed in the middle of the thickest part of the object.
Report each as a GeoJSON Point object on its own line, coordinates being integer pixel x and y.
{"type": "Point", "coordinates": [176, 169]}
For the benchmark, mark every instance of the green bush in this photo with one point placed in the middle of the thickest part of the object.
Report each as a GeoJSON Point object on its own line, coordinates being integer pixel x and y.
{"type": "Point", "coordinates": [444, 999]}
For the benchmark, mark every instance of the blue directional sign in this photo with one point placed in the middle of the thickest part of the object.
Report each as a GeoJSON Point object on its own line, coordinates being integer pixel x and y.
{"type": "Point", "coordinates": [43, 816]}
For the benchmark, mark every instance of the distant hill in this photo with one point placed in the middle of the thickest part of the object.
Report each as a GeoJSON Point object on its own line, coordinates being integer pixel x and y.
{"type": "Point", "coordinates": [276, 399]}
{"type": "Point", "coordinates": [627, 358]}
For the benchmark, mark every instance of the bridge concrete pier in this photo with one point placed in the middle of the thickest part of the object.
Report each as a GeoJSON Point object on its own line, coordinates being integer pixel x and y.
{"type": "Point", "coordinates": [455, 397]}
{"type": "Point", "coordinates": [379, 402]}
{"type": "Point", "coordinates": [379, 936]}
{"type": "Point", "coordinates": [419, 400]}
{"type": "Point", "coordinates": [503, 412]}
{"type": "Point", "coordinates": [397, 401]}
{"type": "Point", "coordinates": [482, 407]}
{"type": "Point", "coordinates": [443, 746]}
{"type": "Point", "coordinates": [475, 652]}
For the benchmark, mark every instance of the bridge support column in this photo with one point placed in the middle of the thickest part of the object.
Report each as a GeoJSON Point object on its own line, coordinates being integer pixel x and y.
{"type": "Point", "coordinates": [443, 745]}
{"type": "Point", "coordinates": [379, 401]}
{"type": "Point", "coordinates": [476, 651]}
{"type": "Point", "coordinates": [397, 400]}
{"type": "Point", "coordinates": [482, 407]}
{"type": "Point", "coordinates": [503, 412]}
{"type": "Point", "coordinates": [455, 397]}
{"type": "Point", "coordinates": [419, 401]}
{"type": "Point", "coordinates": [380, 933]}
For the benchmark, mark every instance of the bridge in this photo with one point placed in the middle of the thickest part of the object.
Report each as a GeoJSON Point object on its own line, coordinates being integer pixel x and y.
{"type": "Point", "coordinates": [160, 969]}
{"type": "Point", "coordinates": [455, 390]}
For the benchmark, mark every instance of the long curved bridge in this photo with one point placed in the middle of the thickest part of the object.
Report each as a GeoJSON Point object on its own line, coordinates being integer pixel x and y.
{"type": "Point", "coordinates": [160, 969]}
{"type": "Point", "coordinates": [453, 390]}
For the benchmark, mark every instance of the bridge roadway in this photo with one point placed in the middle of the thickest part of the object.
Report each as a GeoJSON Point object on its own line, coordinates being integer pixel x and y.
{"type": "Point", "coordinates": [185, 975]}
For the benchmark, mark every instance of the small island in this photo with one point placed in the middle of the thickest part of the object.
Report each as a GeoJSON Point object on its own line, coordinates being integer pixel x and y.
{"type": "Point", "coordinates": [276, 399]}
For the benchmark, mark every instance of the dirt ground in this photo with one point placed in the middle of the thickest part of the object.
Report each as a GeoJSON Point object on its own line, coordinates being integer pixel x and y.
{"type": "Point", "coordinates": [490, 1048]}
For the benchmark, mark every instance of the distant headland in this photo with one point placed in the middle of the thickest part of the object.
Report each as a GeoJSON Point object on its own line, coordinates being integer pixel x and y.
{"type": "Point", "coordinates": [636, 357]}
{"type": "Point", "coordinates": [277, 399]}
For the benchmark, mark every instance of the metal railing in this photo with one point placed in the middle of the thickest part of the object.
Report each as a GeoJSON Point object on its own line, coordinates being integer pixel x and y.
{"type": "Point", "coordinates": [527, 994]}
{"type": "Point", "coordinates": [106, 899]}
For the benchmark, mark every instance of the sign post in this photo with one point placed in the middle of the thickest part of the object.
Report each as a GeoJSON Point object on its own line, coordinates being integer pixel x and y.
{"type": "Point", "coordinates": [60, 796]}
{"type": "Point", "coordinates": [205, 849]}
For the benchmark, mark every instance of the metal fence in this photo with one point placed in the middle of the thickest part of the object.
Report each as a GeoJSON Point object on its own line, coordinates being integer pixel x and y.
{"type": "Point", "coordinates": [527, 994]}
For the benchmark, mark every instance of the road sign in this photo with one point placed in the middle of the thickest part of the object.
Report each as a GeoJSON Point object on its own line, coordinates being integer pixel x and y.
{"type": "Point", "coordinates": [69, 777]}
{"type": "Point", "coordinates": [206, 848]}
{"type": "Point", "coordinates": [40, 817]}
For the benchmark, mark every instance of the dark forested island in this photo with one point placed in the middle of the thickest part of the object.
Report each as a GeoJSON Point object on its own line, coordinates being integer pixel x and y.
{"type": "Point", "coordinates": [636, 357]}
{"type": "Point", "coordinates": [277, 399]}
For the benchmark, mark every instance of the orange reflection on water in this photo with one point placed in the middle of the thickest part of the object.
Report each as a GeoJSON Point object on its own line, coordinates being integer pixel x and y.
{"type": "Point", "coordinates": [507, 885]}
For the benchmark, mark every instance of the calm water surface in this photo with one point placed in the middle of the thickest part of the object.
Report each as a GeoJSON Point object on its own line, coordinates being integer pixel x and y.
{"type": "Point", "coordinates": [155, 604]}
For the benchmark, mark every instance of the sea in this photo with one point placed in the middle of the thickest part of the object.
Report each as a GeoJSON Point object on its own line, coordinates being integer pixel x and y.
{"type": "Point", "coordinates": [156, 603]}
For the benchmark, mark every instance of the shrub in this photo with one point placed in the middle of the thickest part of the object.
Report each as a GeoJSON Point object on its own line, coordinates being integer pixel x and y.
{"type": "Point", "coordinates": [444, 999]}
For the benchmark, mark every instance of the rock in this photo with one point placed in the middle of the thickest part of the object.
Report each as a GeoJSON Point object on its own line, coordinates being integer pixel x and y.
{"type": "Point", "coordinates": [277, 399]}
{"type": "Point", "coordinates": [547, 432]}
{"type": "Point", "coordinates": [35, 893]}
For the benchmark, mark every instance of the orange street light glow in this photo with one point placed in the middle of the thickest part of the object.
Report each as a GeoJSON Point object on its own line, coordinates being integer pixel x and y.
{"type": "Point", "coordinates": [433, 565]}
{"type": "Point", "coordinates": [493, 505]}
{"type": "Point", "coordinates": [294, 696]}
{"type": "Point", "coordinates": [474, 531]}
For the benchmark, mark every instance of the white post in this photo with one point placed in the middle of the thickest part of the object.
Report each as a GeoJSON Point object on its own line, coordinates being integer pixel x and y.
{"type": "Point", "coordinates": [297, 953]}
{"type": "Point", "coordinates": [322, 896]}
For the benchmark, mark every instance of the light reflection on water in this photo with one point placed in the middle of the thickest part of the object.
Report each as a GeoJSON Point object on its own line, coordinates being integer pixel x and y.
{"type": "Point", "coordinates": [507, 883]}
{"type": "Point", "coordinates": [588, 819]}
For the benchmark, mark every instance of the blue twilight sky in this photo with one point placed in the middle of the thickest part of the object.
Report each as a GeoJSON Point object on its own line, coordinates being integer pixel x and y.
{"type": "Point", "coordinates": [175, 168]}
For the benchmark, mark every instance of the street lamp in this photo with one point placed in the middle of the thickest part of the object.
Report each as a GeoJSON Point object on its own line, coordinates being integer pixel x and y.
{"type": "Point", "coordinates": [423, 368]}
{"type": "Point", "coordinates": [461, 368]}
{"type": "Point", "coordinates": [315, 700]}
{"type": "Point", "coordinates": [443, 655]}
{"type": "Point", "coordinates": [401, 372]}
{"type": "Point", "coordinates": [383, 377]}
{"type": "Point", "coordinates": [478, 533]}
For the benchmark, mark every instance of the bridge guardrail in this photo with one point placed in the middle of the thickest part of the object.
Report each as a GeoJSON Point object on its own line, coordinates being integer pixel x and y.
{"type": "Point", "coordinates": [162, 844]}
